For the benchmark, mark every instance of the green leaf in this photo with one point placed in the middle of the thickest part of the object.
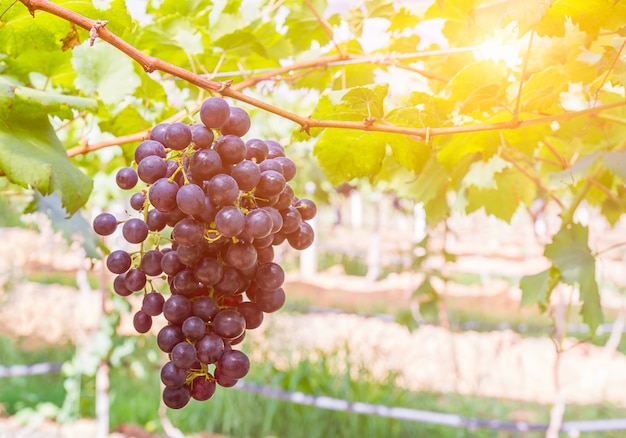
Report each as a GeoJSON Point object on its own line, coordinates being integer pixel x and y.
{"type": "Point", "coordinates": [512, 189]}
{"type": "Point", "coordinates": [345, 154]}
{"type": "Point", "coordinates": [591, 310]}
{"type": "Point", "coordinates": [104, 71]}
{"type": "Point", "coordinates": [31, 155]}
{"type": "Point", "coordinates": [54, 103]}
{"type": "Point", "coordinates": [241, 42]}
{"type": "Point", "coordinates": [367, 101]}
{"type": "Point", "coordinates": [475, 76]}
{"type": "Point", "coordinates": [526, 13]}
{"type": "Point", "coordinates": [481, 173]}
{"type": "Point", "coordinates": [570, 254]}
{"type": "Point", "coordinates": [70, 227]}
{"type": "Point", "coordinates": [589, 15]}
{"type": "Point", "coordinates": [541, 93]}
{"type": "Point", "coordinates": [574, 174]}
{"type": "Point", "coordinates": [616, 163]}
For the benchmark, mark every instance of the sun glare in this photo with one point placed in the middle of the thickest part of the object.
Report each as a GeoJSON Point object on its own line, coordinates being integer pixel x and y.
{"type": "Point", "coordinates": [495, 50]}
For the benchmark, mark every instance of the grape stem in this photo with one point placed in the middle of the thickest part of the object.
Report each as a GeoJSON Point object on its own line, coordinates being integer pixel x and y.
{"type": "Point", "coordinates": [150, 63]}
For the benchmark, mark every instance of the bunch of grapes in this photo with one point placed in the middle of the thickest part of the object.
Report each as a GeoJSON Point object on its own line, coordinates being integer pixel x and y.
{"type": "Point", "coordinates": [221, 205]}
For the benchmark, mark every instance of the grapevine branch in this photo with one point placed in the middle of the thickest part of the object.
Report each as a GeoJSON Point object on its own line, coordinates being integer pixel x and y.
{"type": "Point", "coordinates": [150, 63]}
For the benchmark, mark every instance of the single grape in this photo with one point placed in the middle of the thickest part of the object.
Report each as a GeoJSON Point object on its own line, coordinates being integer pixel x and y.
{"type": "Point", "coordinates": [251, 313]}
{"type": "Point", "coordinates": [151, 169]}
{"type": "Point", "coordinates": [147, 148]}
{"type": "Point", "coordinates": [135, 230]}
{"type": "Point", "coordinates": [119, 286]}
{"type": "Point", "coordinates": [162, 195]}
{"type": "Point", "coordinates": [189, 255]}
{"type": "Point", "coordinates": [285, 199]}
{"type": "Point", "coordinates": [137, 201]}
{"type": "Point", "coordinates": [142, 322]}
{"type": "Point", "coordinates": [228, 324]}
{"type": "Point", "coordinates": [240, 255]}
{"type": "Point", "coordinates": [157, 220]}
{"type": "Point", "coordinates": [256, 150]}
{"type": "Point", "coordinates": [272, 183]}
{"type": "Point", "coordinates": [277, 219]}
{"type": "Point", "coordinates": [173, 376]}
{"type": "Point", "coordinates": [104, 224]}
{"type": "Point", "coordinates": [214, 112]}
{"type": "Point", "coordinates": [205, 163]}
{"type": "Point", "coordinates": [204, 307]}
{"type": "Point", "coordinates": [194, 328]}
{"type": "Point", "coordinates": [231, 148]}
{"type": "Point", "coordinates": [209, 271]}
{"type": "Point", "coordinates": [151, 262]}
{"type": "Point", "coordinates": [177, 136]}
{"type": "Point", "coordinates": [258, 223]}
{"type": "Point", "coordinates": [234, 364]}
{"type": "Point", "coordinates": [126, 178]}
{"type": "Point", "coordinates": [302, 238]}
{"type": "Point", "coordinates": [183, 355]}
{"type": "Point", "coordinates": [169, 336]}
{"type": "Point", "coordinates": [275, 149]}
{"type": "Point", "coordinates": [202, 136]}
{"type": "Point", "coordinates": [202, 388]}
{"type": "Point", "coordinates": [291, 220]}
{"type": "Point", "coordinates": [265, 254]}
{"type": "Point", "coordinates": [190, 199]}
{"type": "Point", "coordinates": [152, 303]}
{"type": "Point", "coordinates": [185, 282]}
{"type": "Point", "coordinates": [176, 398]}
{"type": "Point", "coordinates": [231, 283]}
{"type": "Point", "coordinates": [230, 221]}
{"type": "Point", "coordinates": [272, 164]}
{"type": "Point", "coordinates": [289, 167]}
{"type": "Point", "coordinates": [269, 276]}
{"type": "Point", "coordinates": [224, 381]}
{"type": "Point", "coordinates": [223, 189]}
{"type": "Point", "coordinates": [177, 309]}
{"type": "Point", "coordinates": [135, 280]}
{"type": "Point", "coordinates": [118, 261]}
{"type": "Point", "coordinates": [238, 122]}
{"type": "Point", "coordinates": [171, 264]}
{"type": "Point", "coordinates": [306, 208]}
{"type": "Point", "coordinates": [247, 175]}
{"type": "Point", "coordinates": [158, 132]}
{"type": "Point", "coordinates": [270, 300]}
{"type": "Point", "coordinates": [188, 232]}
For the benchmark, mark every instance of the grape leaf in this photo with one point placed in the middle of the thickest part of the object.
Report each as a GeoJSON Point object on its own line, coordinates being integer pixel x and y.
{"type": "Point", "coordinates": [481, 173]}
{"type": "Point", "coordinates": [347, 154]}
{"type": "Point", "coordinates": [31, 155]}
{"type": "Point", "coordinates": [527, 13]}
{"type": "Point", "coordinates": [570, 254]}
{"type": "Point", "coordinates": [104, 71]}
{"type": "Point", "coordinates": [70, 227]}
{"type": "Point", "coordinates": [502, 201]}
{"type": "Point", "coordinates": [367, 101]}
{"type": "Point", "coordinates": [589, 15]}
{"type": "Point", "coordinates": [475, 76]}
{"type": "Point", "coordinates": [616, 162]}
{"type": "Point", "coordinates": [241, 43]}
{"type": "Point", "coordinates": [534, 288]}
{"type": "Point", "coordinates": [541, 93]}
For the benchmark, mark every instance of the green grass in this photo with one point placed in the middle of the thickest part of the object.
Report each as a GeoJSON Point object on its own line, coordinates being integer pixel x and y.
{"type": "Point", "coordinates": [135, 396]}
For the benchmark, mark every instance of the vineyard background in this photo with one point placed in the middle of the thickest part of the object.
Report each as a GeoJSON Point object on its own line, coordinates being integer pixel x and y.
{"type": "Point", "coordinates": [480, 343]}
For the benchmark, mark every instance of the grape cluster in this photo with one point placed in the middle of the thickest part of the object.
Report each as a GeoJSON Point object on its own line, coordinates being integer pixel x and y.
{"type": "Point", "coordinates": [208, 218]}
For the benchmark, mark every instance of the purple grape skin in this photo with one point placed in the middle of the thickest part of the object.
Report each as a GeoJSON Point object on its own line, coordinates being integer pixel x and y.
{"type": "Point", "coordinates": [104, 224]}
{"type": "Point", "coordinates": [205, 164]}
{"type": "Point", "coordinates": [257, 150]}
{"type": "Point", "coordinates": [183, 354]}
{"type": "Point", "coordinates": [152, 303]}
{"type": "Point", "coordinates": [229, 324]}
{"type": "Point", "coordinates": [162, 195]}
{"type": "Point", "coordinates": [190, 199]}
{"type": "Point", "coordinates": [147, 148]}
{"type": "Point", "coordinates": [173, 376]}
{"type": "Point", "coordinates": [210, 348]}
{"type": "Point", "coordinates": [209, 271]}
{"type": "Point", "coordinates": [157, 220]}
{"type": "Point", "coordinates": [251, 313]}
{"type": "Point", "coordinates": [202, 388]}
{"type": "Point", "coordinates": [269, 276]}
{"type": "Point", "coordinates": [188, 232]}
{"type": "Point", "coordinates": [169, 336]}
{"type": "Point", "coordinates": [302, 238]}
{"type": "Point", "coordinates": [170, 263]}
{"type": "Point", "coordinates": [234, 364]}
{"type": "Point", "coordinates": [135, 230]}
{"type": "Point", "coordinates": [247, 175]}
{"type": "Point", "coordinates": [176, 398]}
{"type": "Point", "coordinates": [194, 328]}
{"type": "Point", "coordinates": [142, 322]}
{"type": "Point", "coordinates": [119, 286]}
{"type": "Point", "coordinates": [238, 122]}
{"type": "Point", "coordinates": [135, 280]}
{"type": "Point", "coordinates": [177, 136]}
{"type": "Point", "coordinates": [202, 136]}
{"type": "Point", "coordinates": [158, 132]}
{"type": "Point", "coordinates": [126, 178]}
{"type": "Point", "coordinates": [176, 309]}
{"type": "Point", "coordinates": [230, 221]}
{"type": "Point", "coordinates": [222, 190]}
{"type": "Point", "coordinates": [204, 307]}
{"type": "Point", "coordinates": [118, 261]}
{"type": "Point", "coordinates": [214, 112]}
{"type": "Point", "coordinates": [137, 201]}
{"type": "Point", "coordinates": [151, 169]}
{"type": "Point", "coordinates": [231, 148]}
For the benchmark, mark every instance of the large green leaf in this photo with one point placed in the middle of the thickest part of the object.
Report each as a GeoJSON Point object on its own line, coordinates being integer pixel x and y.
{"type": "Point", "coordinates": [345, 154]}
{"type": "Point", "coordinates": [31, 155]}
{"type": "Point", "coordinates": [104, 71]}
{"type": "Point", "coordinates": [570, 254]}
{"type": "Point", "coordinates": [511, 190]}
